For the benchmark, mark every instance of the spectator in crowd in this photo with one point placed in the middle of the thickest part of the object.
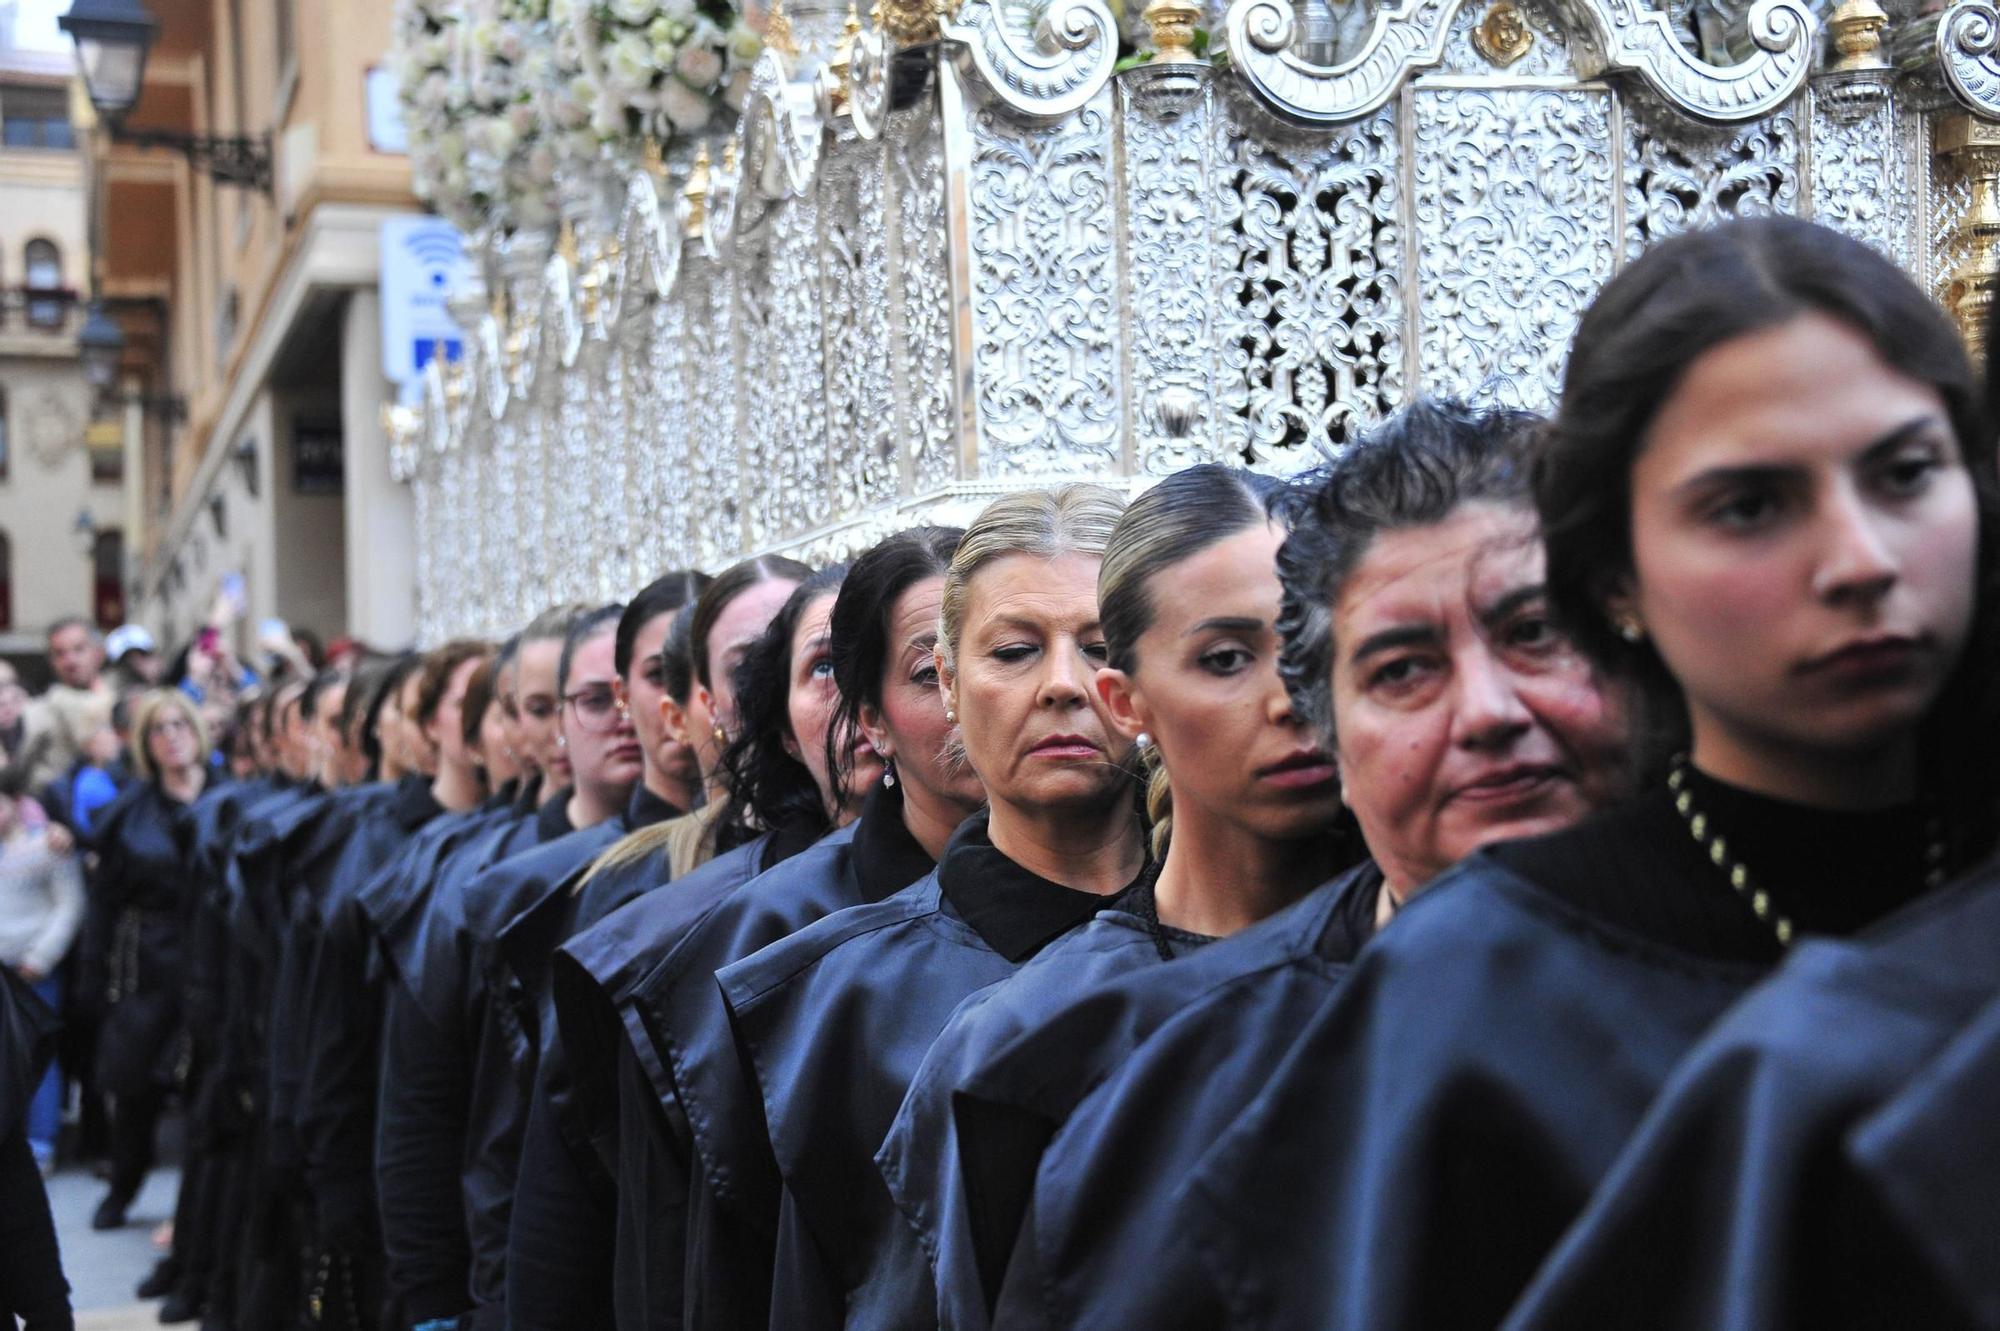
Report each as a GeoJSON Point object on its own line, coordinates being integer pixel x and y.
{"type": "Point", "coordinates": [76, 655]}
{"type": "Point", "coordinates": [41, 907]}
{"type": "Point", "coordinates": [134, 655]}
{"type": "Point", "coordinates": [20, 722]}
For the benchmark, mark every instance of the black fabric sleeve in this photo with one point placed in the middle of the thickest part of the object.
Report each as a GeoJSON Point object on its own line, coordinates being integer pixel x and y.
{"type": "Point", "coordinates": [32, 1287]}
{"type": "Point", "coordinates": [420, 1150]}
{"type": "Point", "coordinates": [559, 1244]}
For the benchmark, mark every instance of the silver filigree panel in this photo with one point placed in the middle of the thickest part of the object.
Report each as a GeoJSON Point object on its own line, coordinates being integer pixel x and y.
{"type": "Point", "coordinates": [1515, 200]}
{"type": "Point", "coordinates": [1948, 198]}
{"type": "Point", "coordinates": [919, 291]}
{"type": "Point", "coordinates": [671, 481]}
{"type": "Point", "coordinates": [1169, 334]}
{"type": "Point", "coordinates": [1860, 177]}
{"type": "Point", "coordinates": [1308, 288]}
{"type": "Point", "coordinates": [1681, 175]}
{"type": "Point", "coordinates": [716, 511]}
{"type": "Point", "coordinates": [854, 283]}
{"type": "Point", "coordinates": [1044, 355]}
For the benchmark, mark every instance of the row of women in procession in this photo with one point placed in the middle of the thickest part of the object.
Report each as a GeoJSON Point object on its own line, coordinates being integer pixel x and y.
{"type": "Point", "coordinates": [1527, 872]}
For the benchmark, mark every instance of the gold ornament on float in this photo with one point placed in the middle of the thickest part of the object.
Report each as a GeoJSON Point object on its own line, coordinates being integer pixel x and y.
{"type": "Point", "coordinates": [1503, 36]}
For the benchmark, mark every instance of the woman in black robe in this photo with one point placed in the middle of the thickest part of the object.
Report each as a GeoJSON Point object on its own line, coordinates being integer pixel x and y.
{"type": "Point", "coordinates": [727, 620]}
{"type": "Point", "coordinates": [32, 1287]}
{"type": "Point", "coordinates": [1059, 1109]}
{"type": "Point", "coordinates": [1765, 500]}
{"type": "Point", "coordinates": [882, 637]}
{"type": "Point", "coordinates": [145, 895]}
{"type": "Point", "coordinates": [831, 1023]}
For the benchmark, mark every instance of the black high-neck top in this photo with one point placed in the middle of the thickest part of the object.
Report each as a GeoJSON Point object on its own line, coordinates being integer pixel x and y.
{"type": "Point", "coordinates": [1637, 866]}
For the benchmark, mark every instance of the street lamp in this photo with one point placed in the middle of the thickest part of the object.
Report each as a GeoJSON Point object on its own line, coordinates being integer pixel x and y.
{"type": "Point", "coordinates": [101, 346]}
{"type": "Point", "coordinates": [112, 38]}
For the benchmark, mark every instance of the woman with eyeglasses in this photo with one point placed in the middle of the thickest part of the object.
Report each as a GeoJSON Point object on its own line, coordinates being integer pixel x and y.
{"type": "Point", "coordinates": [1765, 500]}
{"type": "Point", "coordinates": [882, 749]}
{"type": "Point", "coordinates": [580, 1210]}
{"type": "Point", "coordinates": [144, 895]}
{"type": "Point", "coordinates": [451, 1090]}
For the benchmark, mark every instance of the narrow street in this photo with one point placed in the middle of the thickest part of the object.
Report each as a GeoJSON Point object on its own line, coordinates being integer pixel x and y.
{"type": "Point", "coordinates": [104, 1269]}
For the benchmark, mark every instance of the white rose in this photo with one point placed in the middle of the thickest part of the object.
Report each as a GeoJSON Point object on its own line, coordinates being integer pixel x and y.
{"type": "Point", "coordinates": [687, 109]}
{"type": "Point", "coordinates": [700, 66]}
{"type": "Point", "coordinates": [664, 55]}
{"type": "Point", "coordinates": [629, 63]}
{"type": "Point", "coordinates": [680, 11]}
{"type": "Point", "coordinates": [634, 11]}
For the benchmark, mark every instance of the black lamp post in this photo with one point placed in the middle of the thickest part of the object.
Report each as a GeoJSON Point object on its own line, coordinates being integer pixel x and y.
{"type": "Point", "coordinates": [101, 346]}
{"type": "Point", "coordinates": [112, 38]}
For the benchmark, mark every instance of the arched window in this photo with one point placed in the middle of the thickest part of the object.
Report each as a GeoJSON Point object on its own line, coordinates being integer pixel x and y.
{"type": "Point", "coordinates": [42, 272]}
{"type": "Point", "coordinates": [107, 575]}
{"type": "Point", "coordinates": [6, 582]}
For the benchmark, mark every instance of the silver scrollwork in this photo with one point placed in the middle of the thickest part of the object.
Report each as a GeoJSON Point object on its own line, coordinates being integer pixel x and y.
{"type": "Point", "coordinates": [1968, 51]}
{"type": "Point", "coordinates": [1053, 73]}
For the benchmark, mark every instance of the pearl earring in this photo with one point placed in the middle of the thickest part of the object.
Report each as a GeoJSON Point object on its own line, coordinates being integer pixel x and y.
{"type": "Point", "coordinates": [1144, 741]}
{"type": "Point", "coordinates": [951, 716]}
{"type": "Point", "coordinates": [1629, 630]}
{"type": "Point", "coordinates": [889, 773]}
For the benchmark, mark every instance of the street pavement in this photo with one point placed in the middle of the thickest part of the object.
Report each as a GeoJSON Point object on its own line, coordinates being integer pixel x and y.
{"type": "Point", "coordinates": [104, 1269]}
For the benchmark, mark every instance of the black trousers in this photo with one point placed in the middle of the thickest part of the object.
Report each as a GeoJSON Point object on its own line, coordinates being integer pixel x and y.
{"type": "Point", "coordinates": [135, 1121]}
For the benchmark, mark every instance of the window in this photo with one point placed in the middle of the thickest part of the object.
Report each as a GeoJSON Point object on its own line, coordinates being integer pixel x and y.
{"type": "Point", "coordinates": [6, 449]}
{"type": "Point", "coordinates": [43, 279]}
{"type": "Point", "coordinates": [36, 118]}
{"type": "Point", "coordinates": [6, 582]}
{"type": "Point", "coordinates": [107, 575]}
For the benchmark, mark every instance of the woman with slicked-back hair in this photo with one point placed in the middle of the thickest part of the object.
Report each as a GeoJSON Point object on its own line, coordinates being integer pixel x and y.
{"type": "Point", "coordinates": [831, 1023]}
{"type": "Point", "coordinates": [1765, 502]}
{"type": "Point", "coordinates": [1188, 594]}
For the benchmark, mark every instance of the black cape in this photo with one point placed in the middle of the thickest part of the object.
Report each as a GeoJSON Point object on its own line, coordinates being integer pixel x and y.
{"type": "Point", "coordinates": [831, 1024]}
{"type": "Point", "coordinates": [1735, 1204]}
{"type": "Point", "coordinates": [1060, 1066]}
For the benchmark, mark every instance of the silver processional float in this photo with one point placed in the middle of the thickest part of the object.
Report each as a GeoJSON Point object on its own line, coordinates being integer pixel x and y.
{"type": "Point", "coordinates": [793, 282]}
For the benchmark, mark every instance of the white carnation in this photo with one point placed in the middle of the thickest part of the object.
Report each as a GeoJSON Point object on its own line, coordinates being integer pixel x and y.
{"type": "Point", "coordinates": [699, 65]}
{"type": "Point", "coordinates": [634, 11]}
{"type": "Point", "coordinates": [687, 109]}
{"type": "Point", "coordinates": [629, 63]}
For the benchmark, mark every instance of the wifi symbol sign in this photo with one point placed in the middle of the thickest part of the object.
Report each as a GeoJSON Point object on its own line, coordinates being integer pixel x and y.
{"type": "Point", "coordinates": [438, 252]}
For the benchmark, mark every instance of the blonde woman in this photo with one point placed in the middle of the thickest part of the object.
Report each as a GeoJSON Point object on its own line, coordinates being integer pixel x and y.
{"type": "Point", "coordinates": [145, 889]}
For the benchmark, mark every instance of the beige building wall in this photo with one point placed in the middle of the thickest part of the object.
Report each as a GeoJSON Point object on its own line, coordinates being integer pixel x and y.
{"type": "Point", "coordinates": [259, 288]}
{"type": "Point", "coordinates": [47, 486]}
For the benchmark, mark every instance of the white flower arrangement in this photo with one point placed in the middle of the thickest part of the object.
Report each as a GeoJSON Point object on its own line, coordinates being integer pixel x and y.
{"type": "Point", "coordinates": [656, 68]}
{"type": "Point", "coordinates": [469, 71]}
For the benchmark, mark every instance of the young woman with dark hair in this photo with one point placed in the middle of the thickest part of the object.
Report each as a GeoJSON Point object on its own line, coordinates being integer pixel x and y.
{"type": "Point", "coordinates": [1763, 498]}
{"type": "Point", "coordinates": [1849, 1094]}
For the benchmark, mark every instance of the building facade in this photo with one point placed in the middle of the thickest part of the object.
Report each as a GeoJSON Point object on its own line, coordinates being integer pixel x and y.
{"type": "Point", "coordinates": [252, 330]}
{"type": "Point", "coordinates": [62, 511]}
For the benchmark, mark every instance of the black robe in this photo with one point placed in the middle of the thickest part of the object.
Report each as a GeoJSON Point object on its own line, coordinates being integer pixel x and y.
{"type": "Point", "coordinates": [615, 1078]}
{"type": "Point", "coordinates": [1446, 1114]}
{"type": "Point", "coordinates": [448, 1094]}
{"type": "Point", "coordinates": [1041, 1090]}
{"type": "Point", "coordinates": [143, 903]}
{"type": "Point", "coordinates": [830, 1025]}
{"type": "Point", "coordinates": [1929, 1157]}
{"type": "Point", "coordinates": [346, 997]}
{"type": "Point", "coordinates": [32, 1287]}
{"type": "Point", "coordinates": [1735, 1203]}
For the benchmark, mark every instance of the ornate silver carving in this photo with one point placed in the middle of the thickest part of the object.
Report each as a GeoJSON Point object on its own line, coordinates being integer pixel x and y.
{"type": "Point", "coordinates": [1968, 53]}
{"type": "Point", "coordinates": [1169, 332]}
{"type": "Point", "coordinates": [854, 281]}
{"type": "Point", "coordinates": [1860, 178]}
{"type": "Point", "coordinates": [1620, 36]}
{"type": "Point", "coordinates": [1309, 290]}
{"type": "Point", "coordinates": [1514, 201]}
{"type": "Point", "coordinates": [1056, 73]}
{"type": "Point", "coordinates": [1679, 176]}
{"type": "Point", "coordinates": [920, 294]}
{"type": "Point", "coordinates": [1044, 293]}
